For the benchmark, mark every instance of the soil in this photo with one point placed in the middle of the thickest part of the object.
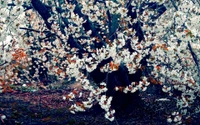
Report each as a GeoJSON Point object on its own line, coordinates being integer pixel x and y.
{"type": "Point", "coordinates": [46, 107]}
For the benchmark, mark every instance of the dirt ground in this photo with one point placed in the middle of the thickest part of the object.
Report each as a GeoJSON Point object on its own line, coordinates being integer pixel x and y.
{"type": "Point", "coordinates": [46, 107]}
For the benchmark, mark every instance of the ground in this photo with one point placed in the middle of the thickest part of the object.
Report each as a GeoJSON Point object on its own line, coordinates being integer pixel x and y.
{"type": "Point", "coordinates": [46, 107]}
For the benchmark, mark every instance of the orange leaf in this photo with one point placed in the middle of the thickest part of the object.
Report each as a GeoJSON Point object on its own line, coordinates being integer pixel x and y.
{"type": "Point", "coordinates": [19, 54]}
{"type": "Point", "coordinates": [75, 92]}
{"type": "Point", "coordinates": [114, 66]}
{"type": "Point", "coordinates": [42, 50]}
{"type": "Point", "coordinates": [154, 47]}
{"type": "Point", "coordinates": [152, 80]}
{"type": "Point", "coordinates": [46, 119]}
{"type": "Point", "coordinates": [158, 68]}
{"type": "Point", "coordinates": [59, 71]}
{"type": "Point", "coordinates": [187, 31]}
{"type": "Point", "coordinates": [191, 81]}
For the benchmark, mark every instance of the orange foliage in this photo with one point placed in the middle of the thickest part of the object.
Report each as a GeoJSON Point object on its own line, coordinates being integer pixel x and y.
{"type": "Point", "coordinates": [114, 66]}
{"type": "Point", "coordinates": [46, 119]}
{"type": "Point", "coordinates": [154, 81]}
{"type": "Point", "coordinates": [19, 54]}
{"type": "Point", "coordinates": [162, 46]}
{"type": "Point", "coordinates": [158, 68]}
{"type": "Point", "coordinates": [5, 87]}
{"type": "Point", "coordinates": [188, 33]}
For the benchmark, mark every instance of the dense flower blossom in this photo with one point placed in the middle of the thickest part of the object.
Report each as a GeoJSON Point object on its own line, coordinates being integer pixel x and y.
{"type": "Point", "coordinates": [74, 39]}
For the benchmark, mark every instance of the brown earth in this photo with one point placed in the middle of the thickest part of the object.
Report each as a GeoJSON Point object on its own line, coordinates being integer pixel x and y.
{"type": "Point", "coordinates": [46, 107]}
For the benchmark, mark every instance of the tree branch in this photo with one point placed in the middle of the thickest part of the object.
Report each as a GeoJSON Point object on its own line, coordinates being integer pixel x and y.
{"type": "Point", "coordinates": [42, 10]}
{"type": "Point", "coordinates": [194, 56]}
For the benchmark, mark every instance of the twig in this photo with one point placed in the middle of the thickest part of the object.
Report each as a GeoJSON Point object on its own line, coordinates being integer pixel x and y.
{"type": "Point", "coordinates": [173, 3]}
{"type": "Point", "coordinates": [24, 28]}
{"type": "Point", "coordinates": [116, 122]}
{"type": "Point", "coordinates": [194, 56]}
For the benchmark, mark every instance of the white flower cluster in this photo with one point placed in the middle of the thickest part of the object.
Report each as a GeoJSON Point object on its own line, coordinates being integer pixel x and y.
{"type": "Point", "coordinates": [95, 95]}
{"type": "Point", "coordinates": [175, 117]}
{"type": "Point", "coordinates": [135, 86]}
{"type": "Point", "coordinates": [84, 34]}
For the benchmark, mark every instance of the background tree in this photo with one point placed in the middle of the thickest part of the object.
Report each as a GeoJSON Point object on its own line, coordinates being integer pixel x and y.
{"type": "Point", "coordinates": [125, 46]}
